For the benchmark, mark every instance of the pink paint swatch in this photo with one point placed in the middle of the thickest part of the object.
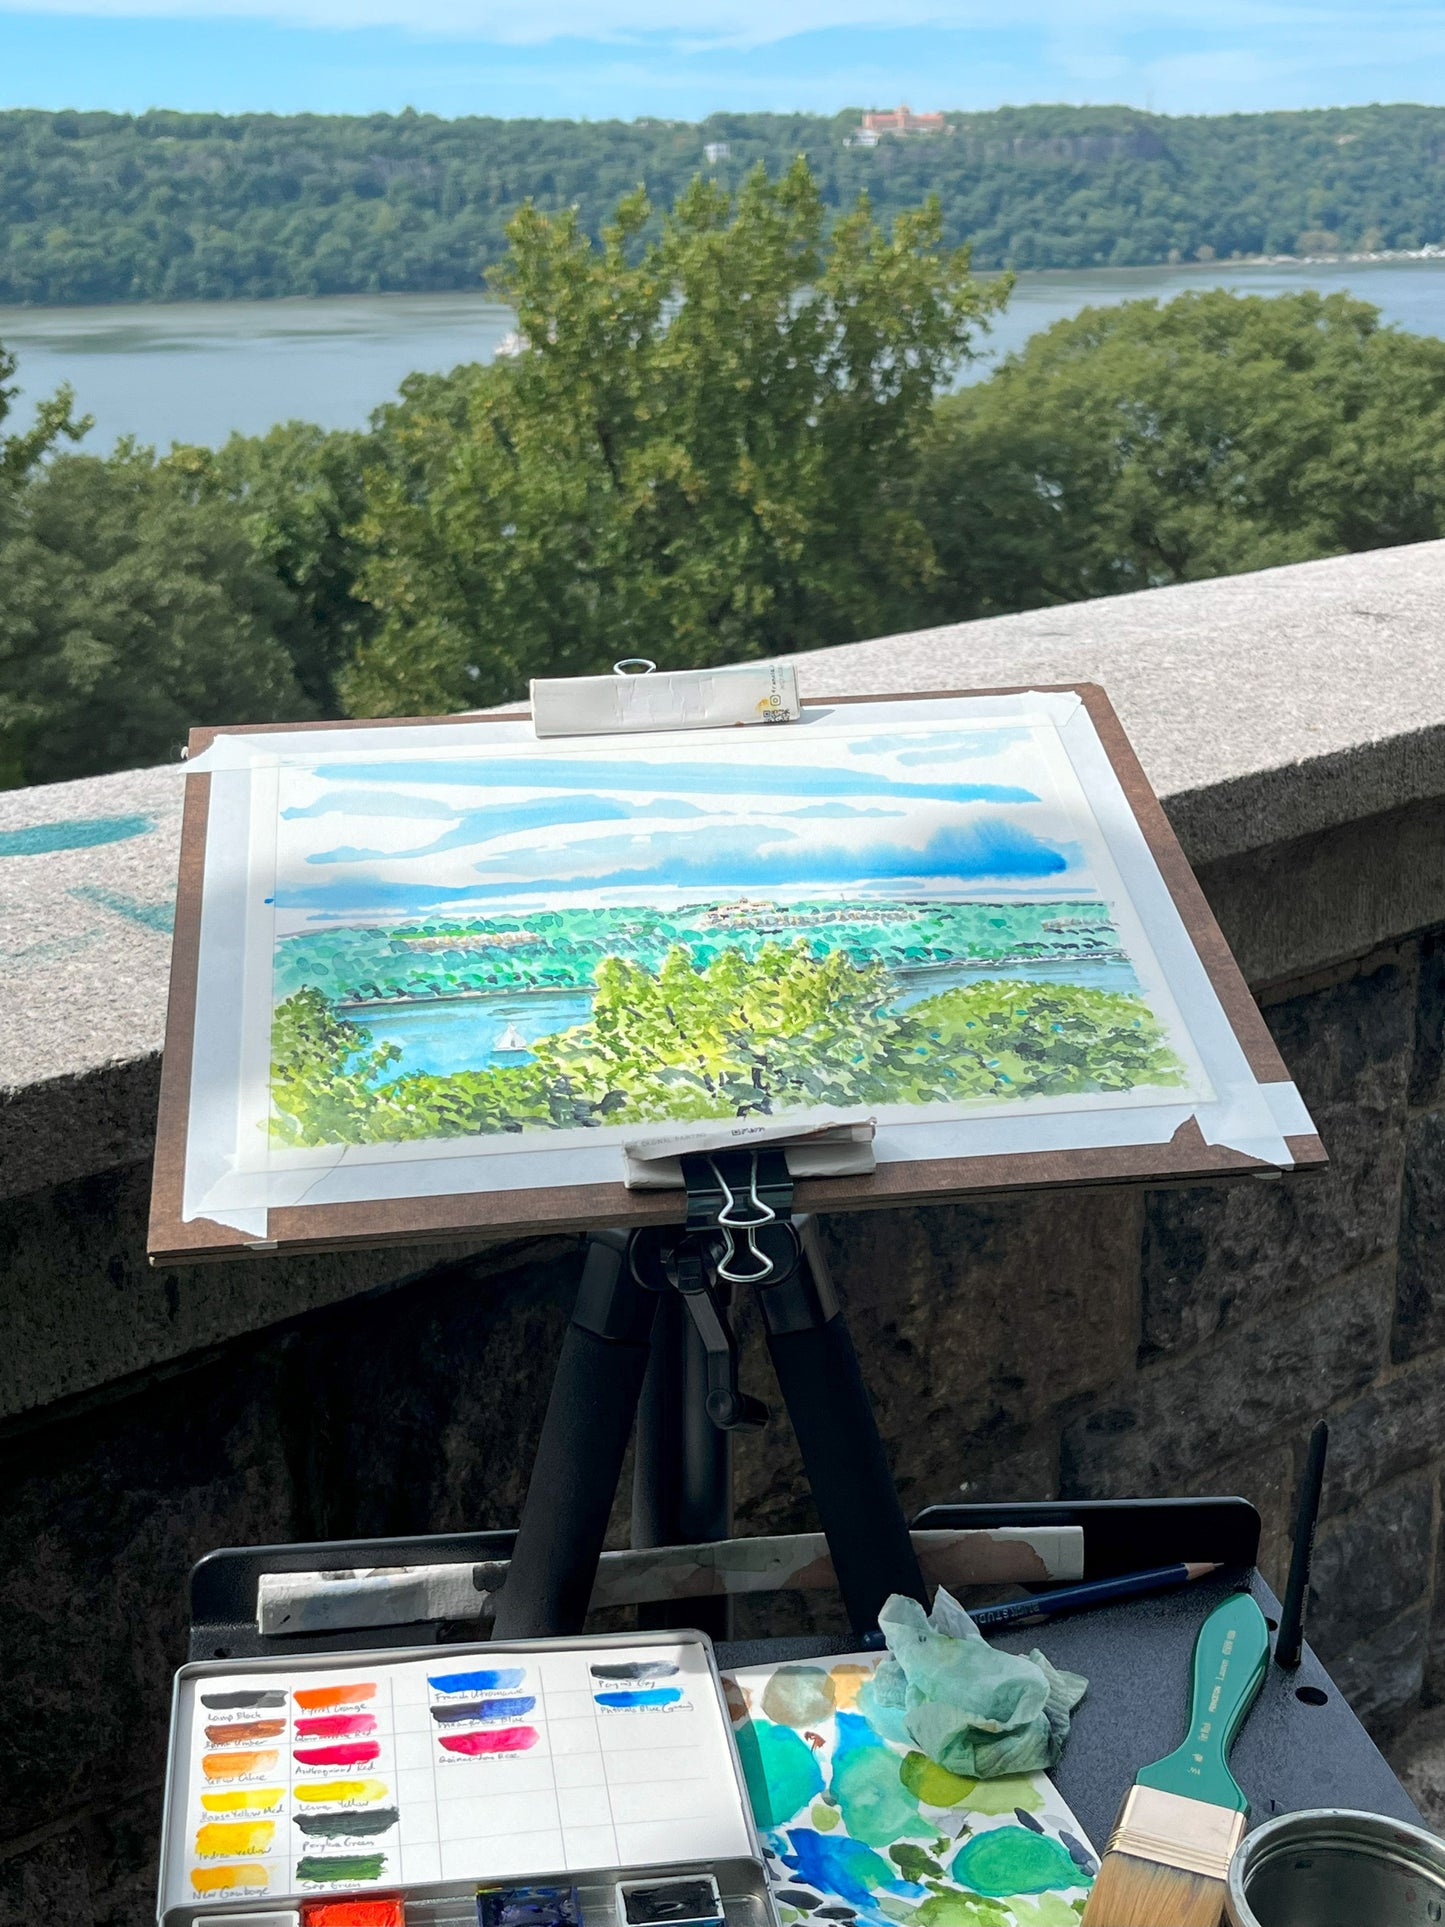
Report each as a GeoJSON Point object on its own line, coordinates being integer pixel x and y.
{"type": "Point", "coordinates": [350, 1753]}
{"type": "Point", "coordinates": [506, 1739]}
{"type": "Point", "coordinates": [335, 1726]}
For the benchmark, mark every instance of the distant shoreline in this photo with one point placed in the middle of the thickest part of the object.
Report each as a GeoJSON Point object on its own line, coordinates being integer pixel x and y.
{"type": "Point", "coordinates": [1384, 257]}
{"type": "Point", "coordinates": [1379, 258]}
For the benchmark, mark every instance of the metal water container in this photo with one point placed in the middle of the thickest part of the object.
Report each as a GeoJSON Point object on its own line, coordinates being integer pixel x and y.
{"type": "Point", "coordinates": [1333, 1868]}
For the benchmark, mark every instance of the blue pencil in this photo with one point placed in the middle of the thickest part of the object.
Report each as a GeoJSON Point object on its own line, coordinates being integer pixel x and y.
{"type": "Point", "coordinates": [1072, 1599]}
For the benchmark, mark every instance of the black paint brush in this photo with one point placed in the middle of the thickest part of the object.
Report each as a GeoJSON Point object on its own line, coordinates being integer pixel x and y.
{"type": "Point", "coordinates": [1290, 1643]}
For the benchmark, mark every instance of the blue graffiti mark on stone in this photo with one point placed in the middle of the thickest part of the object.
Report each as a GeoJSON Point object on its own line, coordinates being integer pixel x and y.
{"type": "Point", "coordinates": [82, 833]}
{"type": "Point", "coordinates": [154, 916]}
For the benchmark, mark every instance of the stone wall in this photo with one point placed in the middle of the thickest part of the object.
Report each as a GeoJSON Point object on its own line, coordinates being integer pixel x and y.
{"type": "Point", "coordinates": [1089, 1344]}
{"type": "Point", "coordinates": [1293, 723]}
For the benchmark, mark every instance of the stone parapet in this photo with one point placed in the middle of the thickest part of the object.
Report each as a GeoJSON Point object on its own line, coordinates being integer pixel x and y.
{"type": "Point", "coordinates": [1084, 1344]}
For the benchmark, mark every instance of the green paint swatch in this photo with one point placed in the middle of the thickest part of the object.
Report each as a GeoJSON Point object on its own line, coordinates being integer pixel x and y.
{"type": "Point", "coordinates": [913, 1863]}
{"type": "Point", "coordinates": [877, 1808]}
{"type": "Point", "coordinates": [347, 1824]}
{"type": "Point", "coordinates": [781, 1770]}
{"type": "Point", "coordinates": [1014, 1860]}
{"type": "Point", "coordinates": [1006, 1795]}
{"type": "Point", "coordinates": [329, 1869]}
{"type": "Point", "coordinates": [926, 1780]}
{"type": "Point", "coordinates": [964, 1910]}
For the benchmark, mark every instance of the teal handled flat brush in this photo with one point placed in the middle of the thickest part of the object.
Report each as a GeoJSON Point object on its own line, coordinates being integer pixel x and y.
{"type": "Point", "coordinates": [1169, 1853]}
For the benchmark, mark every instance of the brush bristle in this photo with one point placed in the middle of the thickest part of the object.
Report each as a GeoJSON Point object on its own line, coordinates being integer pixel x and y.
{"type": "Point", "coordinates": [1140, 1893]}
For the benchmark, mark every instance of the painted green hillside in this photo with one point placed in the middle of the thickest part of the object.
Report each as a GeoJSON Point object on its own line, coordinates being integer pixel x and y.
{"type": "Point", "coordinates": [549, 949]}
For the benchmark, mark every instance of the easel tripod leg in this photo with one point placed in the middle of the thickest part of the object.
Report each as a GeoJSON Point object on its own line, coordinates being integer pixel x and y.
{"type": "Point", "coordinates": [682, 1468]}
{"type": "Point", "coordinates": [589, 1420]}
{"type": "Point", "coordinates": [837, 1433]}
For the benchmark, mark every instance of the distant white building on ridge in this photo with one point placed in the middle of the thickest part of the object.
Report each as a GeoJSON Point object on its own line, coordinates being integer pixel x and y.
{"type": "Point", "coordinates": [894, 120]}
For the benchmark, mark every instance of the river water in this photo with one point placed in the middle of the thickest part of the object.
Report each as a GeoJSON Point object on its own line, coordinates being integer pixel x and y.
{"type": "Point", "coordinates": [443, 1035]}
{"type": "Point", "coordinates": [194, 372]}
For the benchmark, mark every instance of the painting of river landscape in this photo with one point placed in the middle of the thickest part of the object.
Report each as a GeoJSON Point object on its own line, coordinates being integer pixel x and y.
{"type": "Point", "coordinates": [587, 937]}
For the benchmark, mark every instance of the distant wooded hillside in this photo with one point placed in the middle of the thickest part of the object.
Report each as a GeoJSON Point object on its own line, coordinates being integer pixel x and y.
{"type": "Point", "coordinates": [167, 206]}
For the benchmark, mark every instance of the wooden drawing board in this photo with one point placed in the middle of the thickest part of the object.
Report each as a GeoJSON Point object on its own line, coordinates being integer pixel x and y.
{"type": "Point", "coordinates": [1234, 1112]}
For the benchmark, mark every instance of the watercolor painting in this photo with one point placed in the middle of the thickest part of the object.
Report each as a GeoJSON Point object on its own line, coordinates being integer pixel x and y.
{"type": "Point", "coordinates": [573, 938]}
{"type": "Point", "coordinates": [860, 1827]}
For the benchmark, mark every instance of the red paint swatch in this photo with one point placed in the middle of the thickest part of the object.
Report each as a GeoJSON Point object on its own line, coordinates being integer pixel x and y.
{"type": "Point", "coordinates": [506, 1739]}
{"type": "Point", "coordinates": [353, 1913]}
{"type": "Point", "coordinates": [334, 1726]}
{"type": "Point", "coordinates": [315, 1698]}
{"type": "Point", "coordinates": [348, 1753]}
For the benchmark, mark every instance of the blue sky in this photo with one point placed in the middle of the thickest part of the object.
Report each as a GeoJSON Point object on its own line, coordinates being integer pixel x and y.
{"type": "Point", "coordinates": [683, 59]}
{"type": "Point", "coordinates": [948, 811]}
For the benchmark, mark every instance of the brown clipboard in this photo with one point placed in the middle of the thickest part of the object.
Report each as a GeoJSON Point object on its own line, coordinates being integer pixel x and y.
{"type": "Point", "coordinates": [561, 1208]}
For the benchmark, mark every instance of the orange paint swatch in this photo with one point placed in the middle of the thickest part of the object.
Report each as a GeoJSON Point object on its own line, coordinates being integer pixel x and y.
{"type": "Point", "coordinates": [229, 1880]}
{"type": "Point", "coordinates": [354, 1913]}
{"type": "Point", "coordinates": [847, 1681]}
{"type": "Point", "coordinates": [220, 1838]}
{"type": "Point", "coordinates": [235, 1766]}
{"type": "Point", "coordinates": [261, 1799]}
{"type": "Point", "coordinates": [316, 1698]}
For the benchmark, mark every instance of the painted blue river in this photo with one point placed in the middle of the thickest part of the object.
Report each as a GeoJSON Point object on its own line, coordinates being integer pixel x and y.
{"type": "Point", "coordinates": [445, 1034]}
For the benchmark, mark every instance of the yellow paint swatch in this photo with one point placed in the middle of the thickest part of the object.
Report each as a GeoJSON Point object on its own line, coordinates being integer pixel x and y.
{"type": "Point", "coordinates": [348, 1793]}
{"type": "Point", "coordinates": [235, 1766]}
{"type": "Point", "coordinates": [261, 1799]}
{"type": "Point", "coordinates": [228, 1880]}
{"type": "Point", "coordinates": [221, 1837]}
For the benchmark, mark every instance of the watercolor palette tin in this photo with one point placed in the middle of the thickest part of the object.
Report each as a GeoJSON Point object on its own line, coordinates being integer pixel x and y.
{"type": "Point", "coordinates": [419, 1784]}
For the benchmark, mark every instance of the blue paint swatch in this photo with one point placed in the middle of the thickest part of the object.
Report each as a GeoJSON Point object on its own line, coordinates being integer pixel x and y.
{"type": "Point", "coordinates": [641, 1696]}
{"type": "Point", "coordinates": [502, 1707]}
{"type": "Point", "coordinates": [152, 916]}
{"type": "Point", "coordinates": [82, 833]}
{"type": "Point", "coordinates": [490, 1679]}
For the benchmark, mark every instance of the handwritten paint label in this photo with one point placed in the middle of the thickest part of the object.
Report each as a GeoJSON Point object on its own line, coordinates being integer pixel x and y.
{"type": "Point", "coordinates": [239, 1766]}
{"type": "Point", "coordinates": [225, 1839]}
{"type": "Point", "coordinates": [638, 1699]}
{"type": "Point", "coordinates": [335, 1726]}
{"type": "Point", "coordinates": [230, 1880]}
{"type": "Point", "coordinates": [513, 1706]}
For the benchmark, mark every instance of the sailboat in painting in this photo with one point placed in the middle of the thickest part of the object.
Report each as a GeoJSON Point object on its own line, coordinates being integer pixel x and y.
{"type": "Point", "coordinates": [511, 1039]}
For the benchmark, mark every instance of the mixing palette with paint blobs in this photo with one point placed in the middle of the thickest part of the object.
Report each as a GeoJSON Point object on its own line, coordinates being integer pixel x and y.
{"type": "Point", "coordinates": [406, 1785]}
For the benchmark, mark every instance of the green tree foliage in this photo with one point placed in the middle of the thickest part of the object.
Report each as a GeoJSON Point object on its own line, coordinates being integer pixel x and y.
{"type": "Point", "coordinates": [1133, 446]}
{"type": "Point", "coordinates": [782, 1031]}
{"type": "Point", "coordinates": [721, 441]}
{"type": "Point", "coordinates": [297, 497]}
{"type": "Point", "coordinates": [322, 1071]}
{"type": "Point", "coordinates": [692, 458]}
{"type": "Point", "coordinates": [167, 206]}
{"type": "Point", "coordinates": [131, 610]}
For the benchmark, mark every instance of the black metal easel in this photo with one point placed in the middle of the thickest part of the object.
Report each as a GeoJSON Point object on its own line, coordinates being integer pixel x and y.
{"type": "Point", "coordinates": [650, 1339]}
